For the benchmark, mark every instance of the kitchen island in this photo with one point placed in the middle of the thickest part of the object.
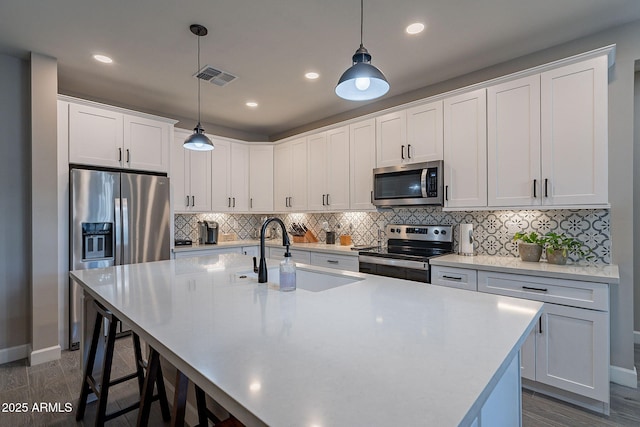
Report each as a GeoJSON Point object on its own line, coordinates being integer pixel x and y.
{"type": "Point", "coordinates": [377, 351]}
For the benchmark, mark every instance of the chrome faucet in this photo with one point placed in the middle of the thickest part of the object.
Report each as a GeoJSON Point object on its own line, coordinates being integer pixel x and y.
{"type": "Point", "coordinates": [262, 269]}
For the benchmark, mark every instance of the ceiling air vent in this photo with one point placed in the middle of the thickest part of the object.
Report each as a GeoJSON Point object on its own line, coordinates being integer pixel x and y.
{"type": "Point", "coordinates": [215, 76]}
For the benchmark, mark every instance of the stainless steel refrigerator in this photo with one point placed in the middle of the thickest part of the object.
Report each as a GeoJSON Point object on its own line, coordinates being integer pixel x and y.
{"type": "Point", "coordinates": [116, 218]}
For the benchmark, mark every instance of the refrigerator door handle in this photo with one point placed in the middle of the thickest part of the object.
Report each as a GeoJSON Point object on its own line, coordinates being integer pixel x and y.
{"type": "Point", "coordinates": [118, 227]}
{"type": "Point", "coordinates": [126, 249]}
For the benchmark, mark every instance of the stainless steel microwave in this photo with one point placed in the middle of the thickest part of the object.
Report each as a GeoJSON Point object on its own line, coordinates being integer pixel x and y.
{"type": "Point", "coordinates": [409, 185]}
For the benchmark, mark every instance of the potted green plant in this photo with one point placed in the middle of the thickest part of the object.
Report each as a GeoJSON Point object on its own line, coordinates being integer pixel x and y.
{"type": "Point", "coordinates": [559, 246]}
{"type": "Point", "coordinates": [529, 246]}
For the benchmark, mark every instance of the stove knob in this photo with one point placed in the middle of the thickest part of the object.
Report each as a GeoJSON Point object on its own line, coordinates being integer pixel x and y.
{"type": "Point", "coordinates": [436, 232]}
{"type": "Point", "coordinates": [444, 232]}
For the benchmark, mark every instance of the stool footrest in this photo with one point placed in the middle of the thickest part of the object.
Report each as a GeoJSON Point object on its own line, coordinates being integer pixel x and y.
{"type": "Point", "coordinates": [123, 379]}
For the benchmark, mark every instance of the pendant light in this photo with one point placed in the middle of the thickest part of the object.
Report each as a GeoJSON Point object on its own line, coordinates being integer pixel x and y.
{"type": "Point", "coordinates": [362, 81]}
{"type": "Point", "coordinates": [198, 141]}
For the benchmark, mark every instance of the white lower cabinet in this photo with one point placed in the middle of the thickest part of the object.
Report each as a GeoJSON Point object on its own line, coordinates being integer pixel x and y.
{"type": "Point", "coordinates": [569, 348]}
{"type": "Point", "coordinates": [461, 278]}
{"type": "Point", "coordinates": [340, 262]}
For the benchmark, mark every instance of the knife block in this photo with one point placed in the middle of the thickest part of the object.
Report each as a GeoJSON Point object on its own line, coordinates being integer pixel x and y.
{"type": "Point", "coordinates": [308, 237]}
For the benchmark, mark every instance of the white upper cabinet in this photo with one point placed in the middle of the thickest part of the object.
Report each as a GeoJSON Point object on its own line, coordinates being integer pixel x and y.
{"type": "Point", "coordinates": [261, 178]}
{"type": "Point", "coordinates": [221, 176]}
{"type": "Point", "coordinates": [547, 138]}
{"type": "Point", "coordinates": [229, 176]}
{"type": "Point", "coordinates": [465, 150]}
{"type": "Point", "coordinates": [290, 176]}
{"type": "Point", "coordinates": [107, 137]}
{"type": "Point", "coordinates": [96, 136]}
{"type": "Point", "coordinates": [239, 177]}
{"type": "Point", "coordinates": [391, 137]}
{"type": "Point", "coordinates": [328, 170]}
{"type": "Point", "coordinates": [410, 136]}
{"type": "Point", "coordinates": [146, 144]}
{"type": "Point", "coordinates": [513, 143]}
{"type": "Point", "coordinates": [424, 133]}
{"type": "Point", "coordinates": [190, 176]}
{"type": "Point", "coordinates": [362, 158]}
{"type": "Point", "coordinates": [574, 134]}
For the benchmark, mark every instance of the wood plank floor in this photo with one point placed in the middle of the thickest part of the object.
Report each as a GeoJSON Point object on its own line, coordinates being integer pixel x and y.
{"type": "Point", "coordinates": [59, 382]}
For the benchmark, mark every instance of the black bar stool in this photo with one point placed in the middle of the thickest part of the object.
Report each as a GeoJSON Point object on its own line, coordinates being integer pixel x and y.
{"type": "Point", "coordinates": [204, 414]}
{"type": "Point", "coordinates": [145, 384]}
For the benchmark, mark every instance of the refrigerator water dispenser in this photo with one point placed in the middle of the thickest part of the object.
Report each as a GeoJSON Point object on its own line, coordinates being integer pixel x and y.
{"type": "Point", "coordinates": [97, 240]}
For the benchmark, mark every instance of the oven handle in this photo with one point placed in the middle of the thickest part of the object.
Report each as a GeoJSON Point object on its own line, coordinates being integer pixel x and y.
{"type": "Point", "coordinates": [415, 265]}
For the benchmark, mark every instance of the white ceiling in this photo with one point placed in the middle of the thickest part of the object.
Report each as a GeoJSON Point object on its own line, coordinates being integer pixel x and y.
{"type": "Point", "coordinates": [270, 44]}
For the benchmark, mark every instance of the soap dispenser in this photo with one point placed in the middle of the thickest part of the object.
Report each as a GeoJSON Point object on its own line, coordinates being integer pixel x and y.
{"type": "Point", "coordinates": [287, 273]}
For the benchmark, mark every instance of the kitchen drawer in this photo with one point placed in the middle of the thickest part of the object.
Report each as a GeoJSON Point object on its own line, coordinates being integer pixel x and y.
{"type": "Point", "coordinates": [298, 256]}
{"type": "Point", "coordinates": [341, 262]}
{"type": "Point", "coordinates": [461, 278]}
{"type": "Point", "coordinates": [575, 293]}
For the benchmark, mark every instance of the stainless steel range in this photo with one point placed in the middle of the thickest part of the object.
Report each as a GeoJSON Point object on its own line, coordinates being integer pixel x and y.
{"type": "Point", "coordinates": [409, 248]}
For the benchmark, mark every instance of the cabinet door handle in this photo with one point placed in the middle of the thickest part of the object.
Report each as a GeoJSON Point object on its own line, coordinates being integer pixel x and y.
{"type": "Point", "coordinates": [328, 202]}
{"type": "Point", "coordinates": [371, 196]}
{"type": "Point", "coordinates": [323, 200]}
{"type": "Point", "coordinates": [234, 202]}
{"type": "Point", "coordinates": [187, 201]}
{"type": "Point", "coordinates": [446, 192]}
{"type": "Point", "coordinates": [452, 278]}
{"type": "Point", "coordinates": [193, 201]}
{"type": "Point", "coordinates": [402, 152]}
{"type": "Point", "coordinates": [119, 154]}
{"type": "Point", "coordinates": [409, 150]}
{"type": "Point", "coordinates": [290, 197]}
{"type": "Point", "coordinates": [540, 324]}
{"type": "Point", "coordinates": [528, 288]}
{"type": "Point", "coordinates": [535, 184]}
{"type": "Point", "coordinates": [251, 203]}
{"type": "Point", "coordinates": [128, 156]}
{"type": "Point", "coordinates": [229, 202]}
{"type": "Point", "coordinates": [333, 261]}
{"type": "Point", "coordinates": [546, 192]}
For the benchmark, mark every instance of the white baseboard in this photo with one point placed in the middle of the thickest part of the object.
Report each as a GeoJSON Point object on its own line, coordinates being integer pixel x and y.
{"type": "Point", "coordinates": [636, 337]}
{"type": "Point", "coordinates": [623, 376]}
{"type": "Point", "coordinates": [12, 354]}
{"type": "Point", "coordinates": [44, 355]}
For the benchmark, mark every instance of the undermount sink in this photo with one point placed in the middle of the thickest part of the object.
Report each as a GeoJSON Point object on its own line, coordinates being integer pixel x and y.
{"type": "Point", "coordinates": [305, 279]}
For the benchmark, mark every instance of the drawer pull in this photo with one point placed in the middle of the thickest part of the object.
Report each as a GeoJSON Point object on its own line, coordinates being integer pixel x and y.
{"type": "Point", "coordinates": [452, 278]}
{"type": "Point", "coordinates": [332, 261]}
{"type": "Point", "coordinates": [534, 289]}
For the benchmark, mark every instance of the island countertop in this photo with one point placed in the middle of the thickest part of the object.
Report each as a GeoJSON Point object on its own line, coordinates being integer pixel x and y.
{"type": "Point", "coordinates": [379, 351]}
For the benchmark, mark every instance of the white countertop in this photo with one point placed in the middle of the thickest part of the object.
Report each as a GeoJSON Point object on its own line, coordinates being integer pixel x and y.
{"type": "Point", "coordinates": [378, 352]}
{"type": "Point", "coordinates": [606, 273]}
{"type": "Point", "coordinates": [314, 247]}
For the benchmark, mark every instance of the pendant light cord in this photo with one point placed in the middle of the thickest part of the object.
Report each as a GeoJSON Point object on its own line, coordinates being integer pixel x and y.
{"type": "Point", "coordinates": [361, 20]}
{"type": "Point", "coordinates": [198, 82]}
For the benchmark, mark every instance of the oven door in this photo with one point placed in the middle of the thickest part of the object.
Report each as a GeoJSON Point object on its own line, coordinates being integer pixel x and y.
{"type": "Point", "coordinates": [396, 268]}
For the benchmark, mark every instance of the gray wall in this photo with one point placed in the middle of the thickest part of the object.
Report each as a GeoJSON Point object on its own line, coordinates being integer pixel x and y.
{"type": "Point", "coordinates": [15, 207]}
{"type": "Point", "coordinates": [636, 198]}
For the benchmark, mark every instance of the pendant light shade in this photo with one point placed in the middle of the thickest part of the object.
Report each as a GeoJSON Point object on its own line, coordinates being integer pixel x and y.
{"type": "Point", "coordinates": [198, 141]}
{"type": "Point", "coordinates": [362, 81]}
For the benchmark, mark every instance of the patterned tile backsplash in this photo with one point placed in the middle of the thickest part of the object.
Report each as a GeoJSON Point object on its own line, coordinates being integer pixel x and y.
{"type": "Point", "coordinates": [493, 230]}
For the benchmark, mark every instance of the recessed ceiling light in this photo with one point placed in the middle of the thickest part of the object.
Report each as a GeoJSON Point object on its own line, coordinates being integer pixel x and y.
{"type": "Point", "coordinates": [415, 28]}
{"type": "Point", "coordinates": [103, 59]}
{"type": "Point", "coordinates": [251, 104]}
{"type": "Point", "coordinates": [312, 75]}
